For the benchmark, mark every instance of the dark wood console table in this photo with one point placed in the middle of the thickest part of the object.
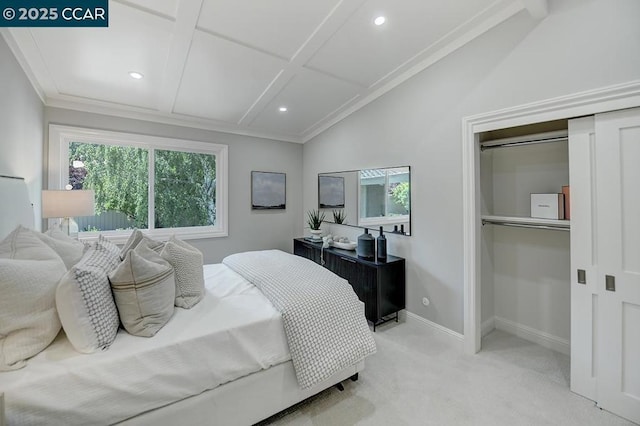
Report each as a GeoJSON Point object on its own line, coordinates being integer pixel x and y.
{"type": "Point", "coordinates": [379, 285]}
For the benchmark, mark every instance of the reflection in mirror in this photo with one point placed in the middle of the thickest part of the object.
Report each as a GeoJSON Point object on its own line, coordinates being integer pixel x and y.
{"type": "Point", "coordinates": [368, 198]}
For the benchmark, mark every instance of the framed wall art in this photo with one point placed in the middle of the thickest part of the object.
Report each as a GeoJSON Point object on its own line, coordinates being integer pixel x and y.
{"type": "Point", "coordinates": [330, 192]}
{"type": "Point", "coordinates": [268, 191]}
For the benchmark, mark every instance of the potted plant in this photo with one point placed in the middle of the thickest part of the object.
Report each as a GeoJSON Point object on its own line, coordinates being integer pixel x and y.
{"type": "Point", "coordinates": [339, 217]}
{"type": "Point", "coordinates": [314, 220]}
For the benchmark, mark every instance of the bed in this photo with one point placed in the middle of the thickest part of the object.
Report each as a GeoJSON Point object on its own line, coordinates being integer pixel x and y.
{"type": "Point", "coordinates": [228, 360]}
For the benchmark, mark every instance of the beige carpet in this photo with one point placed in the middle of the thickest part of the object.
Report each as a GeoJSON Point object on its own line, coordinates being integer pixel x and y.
{"type": "Point", "coordinates": [420, 378]}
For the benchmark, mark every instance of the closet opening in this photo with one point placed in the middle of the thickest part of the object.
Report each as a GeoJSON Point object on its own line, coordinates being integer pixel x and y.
{"type": "Point", "coordinates": [525, 259]}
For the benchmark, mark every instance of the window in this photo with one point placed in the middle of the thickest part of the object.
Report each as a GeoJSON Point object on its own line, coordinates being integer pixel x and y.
{"type": "Point", "coordinates": [383, 196]}
{"type": "Point", "coordinates": [165, 186]}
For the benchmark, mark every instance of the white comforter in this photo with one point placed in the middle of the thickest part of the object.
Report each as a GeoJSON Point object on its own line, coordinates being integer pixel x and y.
{"type": "Point", "coordinates": [232, 332]}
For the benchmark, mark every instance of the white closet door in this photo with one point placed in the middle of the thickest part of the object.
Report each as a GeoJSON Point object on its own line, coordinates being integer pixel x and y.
{"type": "Point", "coordinates": [618, 240]}
{"type": "Point", "coordinates": [584, 298]}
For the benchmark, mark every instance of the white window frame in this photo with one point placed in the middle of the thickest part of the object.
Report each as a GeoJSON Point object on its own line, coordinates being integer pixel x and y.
{"type": "Point", "coordinates": [61, 136]}
{"type": "Point", "coordinates": [386, 219]}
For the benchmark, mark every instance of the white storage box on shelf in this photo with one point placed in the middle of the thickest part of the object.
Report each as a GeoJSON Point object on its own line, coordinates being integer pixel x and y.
{"type": "Point", "coordinates": [547, 206]}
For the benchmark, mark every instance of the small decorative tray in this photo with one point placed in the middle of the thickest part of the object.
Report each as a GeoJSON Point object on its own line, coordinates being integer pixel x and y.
{"type": "Point", "coordinates": [345, 246]}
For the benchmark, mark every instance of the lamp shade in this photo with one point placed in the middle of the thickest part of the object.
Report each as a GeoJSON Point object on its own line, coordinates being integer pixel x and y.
{"type": "Point", "coordinates": [64, 203]}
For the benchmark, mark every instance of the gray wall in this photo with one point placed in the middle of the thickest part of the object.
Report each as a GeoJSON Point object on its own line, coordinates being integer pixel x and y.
{"type": "Point", "coordinates": [528, 271]}
{"type": "Point", "coordinates": [581, 45]}
{"type": "Point", "coordinates": [248, 230]}
{"type": "Point", "coordinates": [21, 113]}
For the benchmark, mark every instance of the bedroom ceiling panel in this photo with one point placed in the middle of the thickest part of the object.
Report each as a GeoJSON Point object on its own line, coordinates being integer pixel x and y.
{"type": "Point", "coordinates": [94, 63]}
{"type": "Point", "coordinates": [364, 53]}
{"type": "Point", "coordinates": [228, 65]}
{"type": "Point", "coordinates": [279, 27]}
{"type": "Point", "coordinates": [221, 79]}
{"type": "Point", "coordinates": [309, 97]}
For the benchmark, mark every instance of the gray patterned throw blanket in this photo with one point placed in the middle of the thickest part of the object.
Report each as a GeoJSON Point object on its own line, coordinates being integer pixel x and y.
{"type": "Point", "coordinates": [323, 319]}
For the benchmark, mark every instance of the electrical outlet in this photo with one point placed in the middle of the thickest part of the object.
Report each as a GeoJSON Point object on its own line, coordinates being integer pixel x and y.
{"type": "Point", "coordinates": [425, 301]}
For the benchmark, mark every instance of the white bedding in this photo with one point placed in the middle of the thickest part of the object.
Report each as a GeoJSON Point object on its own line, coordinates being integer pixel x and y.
{"type": "Point", "coordinates": [232, 332]}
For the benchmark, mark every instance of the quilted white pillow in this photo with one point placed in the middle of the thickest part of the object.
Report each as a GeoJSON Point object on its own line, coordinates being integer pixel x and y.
{"type": "Point", "coordinates": [187, 262]}
{"type": "Point", "coordinates": [85, 304]}
{"type": "Point", "coordinates": [144, 289]}
{"type": "Point", "coordinates": [67, 248]}
{"type": "Point", "coordinates": [29, 274]}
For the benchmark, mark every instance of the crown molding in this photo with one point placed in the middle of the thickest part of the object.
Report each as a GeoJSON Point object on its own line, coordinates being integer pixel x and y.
{"type": "Point", "coordinates": [17, 53]}
{"type": "Point", "coordinates": [136, 113]}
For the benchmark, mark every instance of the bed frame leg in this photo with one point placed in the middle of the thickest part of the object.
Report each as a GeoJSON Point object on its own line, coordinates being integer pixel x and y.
{"type": "Point", "coordinates": [340, 386]}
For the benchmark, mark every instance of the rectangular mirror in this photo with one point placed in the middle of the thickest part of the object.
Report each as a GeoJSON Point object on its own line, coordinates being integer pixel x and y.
{"type": "Point", "coordinates": [368, 198]}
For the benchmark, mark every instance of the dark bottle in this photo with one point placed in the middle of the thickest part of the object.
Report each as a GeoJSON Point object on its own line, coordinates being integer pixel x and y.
{"type": "Point", "coordinates": [382, 246]}
{"type": "Point", "coordinates": [366, 245]}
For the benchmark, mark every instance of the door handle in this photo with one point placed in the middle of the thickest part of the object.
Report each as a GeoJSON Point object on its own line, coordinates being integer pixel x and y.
{"type": "Point", "coordinates": [582, 276]}
{"type": "Point", "coordinates": [610, 283]}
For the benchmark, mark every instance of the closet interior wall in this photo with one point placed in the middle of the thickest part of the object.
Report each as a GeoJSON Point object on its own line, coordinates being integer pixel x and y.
{"type": "Point", "coordinates": [525, 272]}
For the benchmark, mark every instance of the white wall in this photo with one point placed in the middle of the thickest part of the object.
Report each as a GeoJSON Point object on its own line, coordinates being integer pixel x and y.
{"type": "Point", "coordinates": [21, 129]}
{"type": "Point", "coordinates": [581, 45]}
{"type": "Point", "coordinates": [248, 230]}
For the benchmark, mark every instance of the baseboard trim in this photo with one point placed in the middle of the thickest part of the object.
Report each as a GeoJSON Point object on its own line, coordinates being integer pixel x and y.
{"type": "Point", "coordinates": [412, 318]}
{"type": "Point", "coordinates": [488, 326]}
{"type": "Point", "coordinates": [531, 334]}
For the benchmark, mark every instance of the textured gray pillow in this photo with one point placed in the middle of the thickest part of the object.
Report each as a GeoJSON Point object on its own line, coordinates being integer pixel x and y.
{"type": "Point", "coordinates": [85, 304]}
{"type": "Point", "coordinates": [144, 289]}
{"type": "Point", "coordinates": [110, 249]}
{"type": "Point", "coordinates": [187, 262]}
{"type": "Point", "coordinates": [29, 273]}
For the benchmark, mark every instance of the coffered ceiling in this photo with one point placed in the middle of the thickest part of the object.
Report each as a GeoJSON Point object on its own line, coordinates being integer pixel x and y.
{"type": "Point", "coordinates": [230, 65]}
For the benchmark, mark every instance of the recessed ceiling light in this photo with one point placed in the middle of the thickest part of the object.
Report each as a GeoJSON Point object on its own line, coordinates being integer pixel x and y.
{"type": "Point", "coordinates": [136, 75]}
{"type": "Point", "coordinates": [380, 20]}
{"type": "Point", "coordinates": [282, 109]}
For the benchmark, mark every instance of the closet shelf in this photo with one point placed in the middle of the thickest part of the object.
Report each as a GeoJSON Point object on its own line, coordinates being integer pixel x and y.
{"type": "Point", "coordinates": [527, 222]}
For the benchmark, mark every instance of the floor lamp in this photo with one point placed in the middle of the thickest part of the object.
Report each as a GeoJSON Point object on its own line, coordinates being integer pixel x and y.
{"type": "Point", "coordinates": [67, 204]}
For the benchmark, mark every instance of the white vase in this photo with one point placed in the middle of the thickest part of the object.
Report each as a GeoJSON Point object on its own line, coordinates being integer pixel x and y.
{"type": "Point", "coordinates": [316, 234]}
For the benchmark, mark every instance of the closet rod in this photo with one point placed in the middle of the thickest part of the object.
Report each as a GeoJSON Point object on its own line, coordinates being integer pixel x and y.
{"type": "Point", "coordinates": [530, 142]}
{"type": "Point", "coordinates": [524, 225]}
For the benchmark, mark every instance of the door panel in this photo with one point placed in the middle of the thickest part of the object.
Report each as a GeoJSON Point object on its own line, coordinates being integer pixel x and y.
{"type": "Point", "coordinates": [630, 350]}
{"type": "Point", "coordinates": [630, 209]}
{"type": "Point", "coordinates": [583, 256]}
{"type": "Point", "coordinates": [618, 236]}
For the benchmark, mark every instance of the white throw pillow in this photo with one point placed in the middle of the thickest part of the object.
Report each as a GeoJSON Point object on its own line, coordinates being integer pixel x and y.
{"type": "Point", "coordinates": [67, 248]}
{"type": "Point", "coordinates": [154, 245]}
{"type": "Point", "coordinates": [187, 262]}
{"type": "Point", "coordinates": [85, 303]}
{"type": "Point", "coordinates": [137, 237]}
{"type": "Point", "coordinates": [29, 274]}
{"type": "Point", "coordinates": [144, 289]}
{"type": "Point", "coordinates": [132, 242]}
